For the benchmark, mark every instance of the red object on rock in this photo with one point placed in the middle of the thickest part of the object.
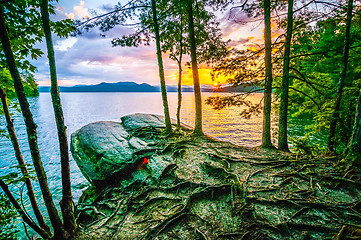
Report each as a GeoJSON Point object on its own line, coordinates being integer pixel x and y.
{"type": "Point", "coordinates": [145, 161]}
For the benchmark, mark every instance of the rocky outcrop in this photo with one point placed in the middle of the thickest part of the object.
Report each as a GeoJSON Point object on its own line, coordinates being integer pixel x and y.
{"type": "Point", "coordinates": [182, 187]}
{"type": "Point", "coordinates": [106, 150]}
{"type": "Point", "coordinates": [141, 120]}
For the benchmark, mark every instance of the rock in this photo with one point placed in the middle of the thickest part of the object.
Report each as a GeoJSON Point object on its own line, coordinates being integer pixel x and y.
{"type": "Point", "coordinates": [101, 149]}
{"type": "Point", "coordinates": [141, 120]}
{"type": "Point", "coordinates": [107, 151]}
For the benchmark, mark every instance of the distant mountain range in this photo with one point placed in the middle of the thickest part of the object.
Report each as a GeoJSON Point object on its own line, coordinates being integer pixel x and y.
{"type": "Point", "coordinates": [144, 87]}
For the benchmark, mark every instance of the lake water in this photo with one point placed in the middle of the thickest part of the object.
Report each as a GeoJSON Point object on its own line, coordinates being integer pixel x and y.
{"type": "Point", "coordinates": [83, 108]}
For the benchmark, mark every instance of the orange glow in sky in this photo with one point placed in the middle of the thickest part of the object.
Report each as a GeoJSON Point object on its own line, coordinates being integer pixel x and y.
{"type": "Point", "coordinates": [204, 77]}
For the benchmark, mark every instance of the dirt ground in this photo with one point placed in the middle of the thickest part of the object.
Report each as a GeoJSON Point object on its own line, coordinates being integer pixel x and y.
{"type": "Point", "coordinates": [188, 188]}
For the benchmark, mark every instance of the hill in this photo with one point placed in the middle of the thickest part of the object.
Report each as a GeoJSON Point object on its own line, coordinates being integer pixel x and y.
{"type": "Point", "coordinates": [144, 87]}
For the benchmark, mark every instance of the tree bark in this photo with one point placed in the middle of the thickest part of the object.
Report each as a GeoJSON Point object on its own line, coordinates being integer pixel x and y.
{"type": "Point", "coordinates": [66, 202]}
{"type": "Point", "coordinates": [197, 90]}
{"type": "Point", "coordinates": [341, 82]}
{"type": "Point", "coordinates": [353, 151]}
{"type": "Point", "coordinates": [180, 80]}
{"type": "Point", "coordinates": [59, 232]}
{"type": "Point", "coordinates": [43, 233]}
{"type": "Point", "coordinates": [282, 133]}
{"type": "Point", "coordinates": [19, 158]}
{"type": "Point", "coordinates": [266, 134]}
{"type": "Point", "coordinates": [168, 125]}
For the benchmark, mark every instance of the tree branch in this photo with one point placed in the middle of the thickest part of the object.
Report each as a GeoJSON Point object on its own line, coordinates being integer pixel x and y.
{"type": "Point", "coordinates": [111, 12]}
{"type": "Point", "coordinates": [323, 52]}
{"type": "Point", "coordinates": [25, 218]}
{"type": "Point", "coordinates": [313, 100]}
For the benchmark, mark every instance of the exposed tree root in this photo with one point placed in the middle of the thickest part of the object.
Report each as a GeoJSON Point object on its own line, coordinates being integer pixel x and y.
{"type": "Point", "coordinates": [215, 190]}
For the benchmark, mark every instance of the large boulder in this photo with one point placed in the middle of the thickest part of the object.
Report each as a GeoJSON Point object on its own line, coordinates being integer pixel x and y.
{"type": "Point", "coordinates": [142, 120]}
{"type": "Point", "coordinates": [106, 151]}
{"type": "Point", "coordinates": [101, 149]}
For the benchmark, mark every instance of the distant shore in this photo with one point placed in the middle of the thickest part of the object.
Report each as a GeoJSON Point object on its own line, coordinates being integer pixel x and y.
{"type": "Point", "coordinates": [144, 87]}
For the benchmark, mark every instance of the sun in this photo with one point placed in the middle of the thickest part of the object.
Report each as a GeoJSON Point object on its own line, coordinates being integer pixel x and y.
{"type": "Point", "coordinates": [217, 84]}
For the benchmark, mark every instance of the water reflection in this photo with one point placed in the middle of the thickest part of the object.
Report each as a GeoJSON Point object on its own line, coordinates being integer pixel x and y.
{"type": "Point", "coordinates": [226, 124]}
{"type": "Point", "coordinates": [83, 108]}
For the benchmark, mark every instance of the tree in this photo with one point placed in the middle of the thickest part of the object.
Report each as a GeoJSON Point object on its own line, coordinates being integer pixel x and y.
{"type": "Point", "coordinates": [353, 151]}
{"type": "Point", "coordinates": [266, 133]}
{"type": "Point", "coordinates": [341, 83]}
{"type": "Point", "coordinates": [315, 49]}
{"type": "Point", "coordinates": [246, 67]}
{"type": "Point", "coordinates": [180, 70]}
{"type": "Point", "coordinates": [168, 126]}
{"type": "Point", "coordinates": [24, 32]}
{"type": "Point", "coordinates": [197, 91]}
{"type": "Point", "coordinates": [31, 130]}
{"type": "Point", "coordinates": [146, 12]}
{"type": "Point", "coordinates": [216, 48]}
{"type": "Point", "coordinates": [171, 27]}
{"type": "Point", "coordinates": [67, 200]}
{"type": "Point", "coordinates": [175, 41]}
{"type": "Point", "coordinates": [282, 134]}
{"type": "Point", "coordinates": [19, 158]}
{"type": "Point", "coordinates": [7, 219]}
{"type": "Point", "coordinates": [23, 215]}
{"type": "Point", "coordinates": [6, 83]}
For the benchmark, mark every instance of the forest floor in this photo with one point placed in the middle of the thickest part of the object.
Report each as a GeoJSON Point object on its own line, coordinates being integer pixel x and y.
{"type": "Point", "coordinates": [207, 189]}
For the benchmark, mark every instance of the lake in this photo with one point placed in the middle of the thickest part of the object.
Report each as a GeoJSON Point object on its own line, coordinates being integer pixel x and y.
{"type": "Point", "coordinates": [83, 108]}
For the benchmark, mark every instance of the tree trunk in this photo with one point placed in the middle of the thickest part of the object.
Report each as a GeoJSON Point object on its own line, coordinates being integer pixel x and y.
{"type": "Point", "coordinates": [44, 234]}
{"type": "Point", "coordinates": [353, 151]}
{"type": "Point", "coordinates": [197, 90]}
{"type": "Point", "coordinates": [31, 131]}
{"type": "Point", "coordinates": [66, 202]}
{"type": "Point", "coordinates": [168, 125]}
{"type": "Point", "coordinates": [19, 158]}
{"type": "Point", "coordinates": [180, 80]}
{"type": "Point", "coordinates": [341, 82]}
{"type": "Point", "coordinates": [282, 134]}
{"type": "Point", "coordinates": [266, 134]}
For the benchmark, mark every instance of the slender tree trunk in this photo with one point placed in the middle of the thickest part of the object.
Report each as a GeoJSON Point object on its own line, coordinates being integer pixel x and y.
{"type": "Point", "coordinates": [66, 202]}
{"type": "Point", "coordinates": [266, 135]}
{"type": "Point", "coordinates": [31, 131]}
{"type": "Point", "coordinates": [19, 158]}
{"type": "Point", "coordinates": [43, 233]}
{"type": "Point", "coordinates": [168, 125]}
{"type": "Point", "coordinates": [341, 82]}
{"type": "Point", "coordinates": [197, 90]}
{"type": "Point", "coordinates": [282, 135]}
{"type": "Point", "coordinates": [180, 80]}
{"type": "Point", "coordinates": [353, 151]}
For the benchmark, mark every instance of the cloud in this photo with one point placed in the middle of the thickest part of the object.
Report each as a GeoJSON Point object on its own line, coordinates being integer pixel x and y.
{"type": "Point", "coordinates": [64, 45]}
{"type": "Point", "coordinates": [90, 60]}
{"type": "Point", "coordinates": [79, 11]}
{"type": "Point", "coordinates": [240, 42]}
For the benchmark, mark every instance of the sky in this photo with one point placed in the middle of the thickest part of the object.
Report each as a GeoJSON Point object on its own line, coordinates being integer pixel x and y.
{"type": "Point", "coordinates": [91, 59]}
